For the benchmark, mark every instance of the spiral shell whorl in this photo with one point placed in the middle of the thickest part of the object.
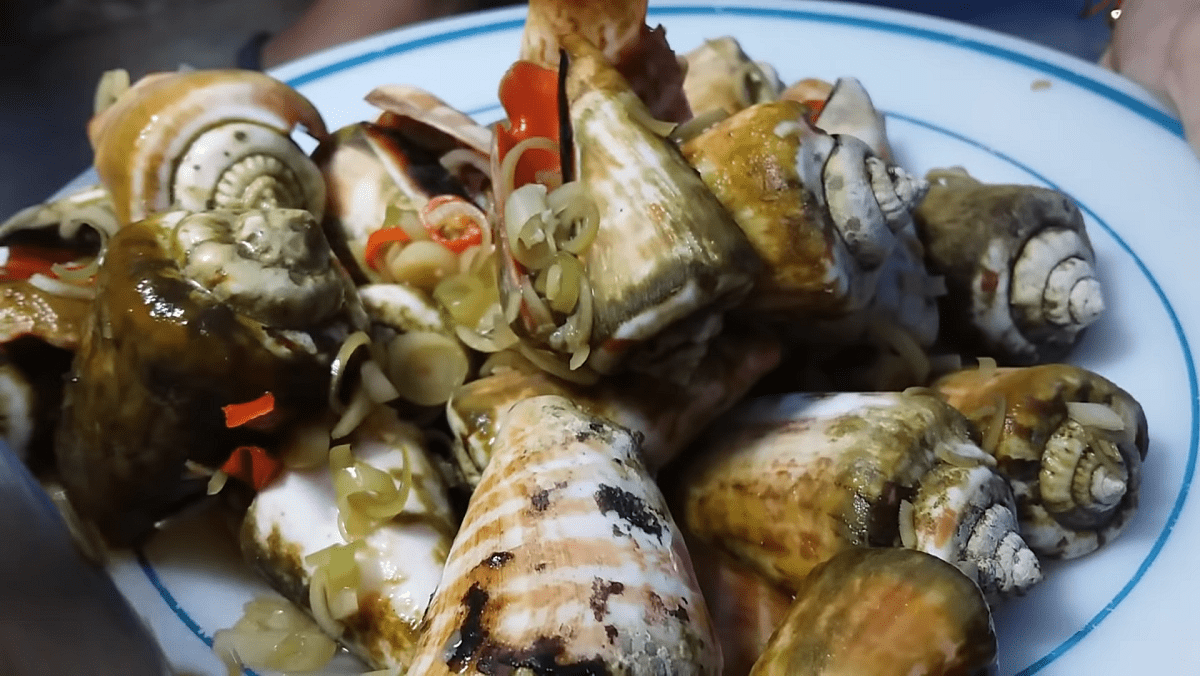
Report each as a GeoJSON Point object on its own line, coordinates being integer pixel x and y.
{"type": "Point", "coordinates": [1083, 477]}
{"type": "Point", "coordinates": [147, 136]}
{"type": "Point", "coordinates": [868, 199]}
{"type": "Point", "coordinates": [1054, 286]}
{"type": "Point", "coordinates": [241, 165]}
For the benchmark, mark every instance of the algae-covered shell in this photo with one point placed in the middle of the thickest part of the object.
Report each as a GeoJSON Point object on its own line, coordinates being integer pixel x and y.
{"type": "Point", "coordinates": [784, 483]}
{"type": "Point", "coordinates": [205, 139]}
{"type": "Point", "coordinates": [884, 612]}
{"type": "Point", "coordinates": [1018, 264]}
{"type": "Point", "coordinates": [1071, 443]}
{"type": "Point", "coordinates": [820, 210]}
{"type": "Point", "coordinates": [162, 353]}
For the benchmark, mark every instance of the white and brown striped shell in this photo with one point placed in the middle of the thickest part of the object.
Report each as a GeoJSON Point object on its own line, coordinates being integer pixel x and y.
{"type": "Point", "coordinates": [206, 139]}
{"type": "Point", "coordinates": [567, 561]}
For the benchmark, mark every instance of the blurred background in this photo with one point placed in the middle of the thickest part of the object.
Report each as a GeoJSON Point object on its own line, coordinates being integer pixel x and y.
{"type": "Point", "coordinates": [52, 53]}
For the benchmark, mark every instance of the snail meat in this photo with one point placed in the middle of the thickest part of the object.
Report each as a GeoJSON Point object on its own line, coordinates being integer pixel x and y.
{"type": "Point", "coordinates": [291, 534]}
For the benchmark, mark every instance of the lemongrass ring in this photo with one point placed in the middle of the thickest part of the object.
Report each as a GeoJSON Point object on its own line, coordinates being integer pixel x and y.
{"type": "Point", "coordinates": [357, 411]}
{"type": "Point", "coordinates": [577, 215]}
{"type": "Point", "coordinates": [536, 307]}
{"type": "Point", "coordinates": [339, 365]}
{"type": "Point", "coordinates": [427, 367]}
{"type": "Point", "coordinates": [454, 211]}
{"type": "Point", "coordinates": [76, 272]}
{"type": "Point", "coordinates": [464, 298]}
{"type": "Point", "coordinates": [378, 387]}
{"type": "Point", "coordinates": [550, 363]}
{"type": "Point", "coordinates": [563, 279]}
{"type": "Point", "coordinates": [508, 167]}
{"type": "Point", "coordinates": [421, 264]}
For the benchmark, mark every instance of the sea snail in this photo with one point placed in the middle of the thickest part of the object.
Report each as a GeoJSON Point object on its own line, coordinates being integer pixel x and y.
{"type": "Point", "coordinates": [1018, 264]}
{"type": "Point", "coordinates": [206, 139]}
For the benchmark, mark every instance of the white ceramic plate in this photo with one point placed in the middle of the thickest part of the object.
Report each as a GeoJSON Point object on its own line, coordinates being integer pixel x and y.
{"type": "Point", "coordinates": [1006, 110]}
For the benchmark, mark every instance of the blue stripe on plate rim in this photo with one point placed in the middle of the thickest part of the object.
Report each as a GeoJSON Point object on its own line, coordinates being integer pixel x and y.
{"type": "Point", "coordinates": [1139, 108]}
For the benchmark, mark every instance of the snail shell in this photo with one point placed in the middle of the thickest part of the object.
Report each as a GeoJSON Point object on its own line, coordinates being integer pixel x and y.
{"type": "Point", "coordinates": [849, 110]}
{"type": "Point", "coordinates": [398, 563]}
{"type": "Point", "coordinates": [206, 139]}
{"type": "Point", "coordinates": [567, 561]}
{"type": "Point", "coordinates": [1070, 442]}
{"type": "Point", "coordinates": [720, 76]}
{"type": "Point", "coordinates": [1018, 264]}
{"type": "Point", "coordinates": [787, 482]}
{"type": "Point", "coordinates": [885, 612]}
{"type": "Point", "coordinates": [822, 211]}
{"type": "Point", "coordinates": [666, 259]}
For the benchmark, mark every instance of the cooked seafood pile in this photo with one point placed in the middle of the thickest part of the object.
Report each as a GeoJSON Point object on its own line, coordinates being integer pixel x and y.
{"type": "Point", "coordinates": [664, 373]}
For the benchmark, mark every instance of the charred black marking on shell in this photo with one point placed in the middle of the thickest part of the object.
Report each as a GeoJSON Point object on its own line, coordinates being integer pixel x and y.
{"type": "Point", "coordinates": [629, 508]}
{"type": "Point", "coordinates": [497, 560]}
{"type": "Point", "coordinates": [471, 634]}
{"type": "Point", "coordinates": [660, 607]}
{"type": "Point", "coordinates": [612, 633]}
{"type": "Point", "coordinates": [542, 658]}
{"type": "Point", "coordinates": [539, 567]}
{"type": "Point", "coordinates": [474, 648]}
{"type": "Point", "coordinates": [601, 590]}
{"type": "Point", "coordinates": [595, 430]}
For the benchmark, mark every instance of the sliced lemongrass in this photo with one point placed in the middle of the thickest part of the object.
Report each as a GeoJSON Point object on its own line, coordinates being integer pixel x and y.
{"type": "Point", "coordinates": [421, 264]}
{"type": "Point", "coordinates": [427, 367]}
{"type": "Point", "coordinates": [1095, 415]}
{"type": "Point", "coordinates": [357, 411]}
{"type": "Point", "coordinates": [337, 369]}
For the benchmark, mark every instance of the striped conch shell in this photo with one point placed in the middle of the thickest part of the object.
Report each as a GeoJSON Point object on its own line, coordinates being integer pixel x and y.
{"type": "Point", "coordinates": [567, 562]}
{"type": "Point", "coordinates": [1070, 442]}
{"type": "Point", "coordinates": [197, 140]}
{"type": "Point", "coordinates": [787, 482]}
{"type": "Point", "coordinates": [1018, 264]}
